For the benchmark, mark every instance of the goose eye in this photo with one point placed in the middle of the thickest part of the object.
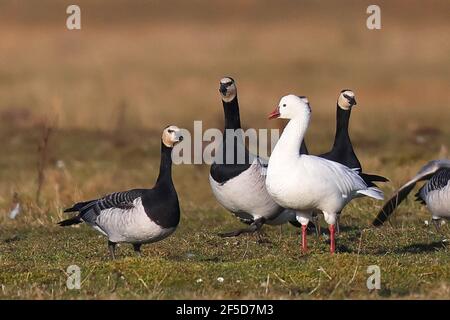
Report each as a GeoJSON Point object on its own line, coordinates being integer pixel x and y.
{"type": "Point", "coordinates": [284, 105]}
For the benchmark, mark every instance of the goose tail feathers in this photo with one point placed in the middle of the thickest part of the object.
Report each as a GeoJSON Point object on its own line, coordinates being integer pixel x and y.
{"type": "Point", "coordinates": [373, 177]}
{"type": "Point", "coordinates": [69, 222]}
{"type": "Point", "coordinates": [78, 206]}
{"type": "Point", "coordinates": [372, 192]}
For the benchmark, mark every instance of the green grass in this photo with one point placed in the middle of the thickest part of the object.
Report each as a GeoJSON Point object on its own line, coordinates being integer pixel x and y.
{"type": "Point", "coordinates": [413, 262]}
{"type": "Point", "coordinates": [35, 253]}
{"type": "Point", "coordinates": [137, 66]}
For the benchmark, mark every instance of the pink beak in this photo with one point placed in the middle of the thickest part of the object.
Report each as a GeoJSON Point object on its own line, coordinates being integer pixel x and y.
{"type": "Point", "coordinates": [275, 113]}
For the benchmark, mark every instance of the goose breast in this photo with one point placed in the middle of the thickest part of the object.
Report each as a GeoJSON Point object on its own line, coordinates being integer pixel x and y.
{"type": "Point", "coordinates": [246, 195]}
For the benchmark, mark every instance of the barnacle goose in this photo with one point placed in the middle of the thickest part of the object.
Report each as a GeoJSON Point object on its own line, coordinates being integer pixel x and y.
{"type": "Point", "coordinates": [435, 193]}
{"type": "Point", "coordinates": [237, 177]}
{"type": "Point", "coordinates": [136, 216]}
{"type": "Point", "coordinates": [342, 150]}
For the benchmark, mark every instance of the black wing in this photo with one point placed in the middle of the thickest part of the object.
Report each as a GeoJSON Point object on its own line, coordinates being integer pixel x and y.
{"type": "Point", "coordinates": [373, 177]}
{"type": "Point", "coordinates": [418, 195]}
{"type": "Point", "coordinates": [393, 202]}
{"type": "Point", "coordinates": [90, 210]}
{"type": "Point", "coordinates": [369, 179]}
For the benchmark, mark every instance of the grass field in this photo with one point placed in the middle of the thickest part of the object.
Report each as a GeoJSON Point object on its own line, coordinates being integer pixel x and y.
{"type": "Point", "coordinates": [107, 91]}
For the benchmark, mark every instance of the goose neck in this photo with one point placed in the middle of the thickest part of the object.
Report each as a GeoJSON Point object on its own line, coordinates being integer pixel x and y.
{"type": "Point", "coordinates": [231, 111]}
{"type": "Point", "coordinates": [292, 137]}
{"type": "Point", "coordinates": [342, 123]}
{"type": "Point", "coordinates": [165, 168]}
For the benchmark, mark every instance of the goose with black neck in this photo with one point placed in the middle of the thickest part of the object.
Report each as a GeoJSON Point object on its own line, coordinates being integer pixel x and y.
{"type": "Point", "coordinates": [237, 177]}
{"type": "Point", "coordinates": [342, 150]}
{"type": "Point", "coordinates": [136, 216]}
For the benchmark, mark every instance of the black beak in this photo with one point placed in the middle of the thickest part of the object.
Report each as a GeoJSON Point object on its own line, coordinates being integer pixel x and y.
{"type": "Point", "coordinates": [223, 89]}
{"type": "Point", "coordinates": [350, 100]}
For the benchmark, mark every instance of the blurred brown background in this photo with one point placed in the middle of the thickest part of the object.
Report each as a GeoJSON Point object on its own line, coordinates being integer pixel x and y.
{"type": "Point", "coordinates": [164, 58]}
{"type": "Point", "coordinates": [141, 65]}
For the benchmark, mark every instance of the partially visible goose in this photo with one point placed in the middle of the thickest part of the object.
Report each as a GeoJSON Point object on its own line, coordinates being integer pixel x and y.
{"type": "Point", "coordinates": [305, 182]}
{"type": "Point", "coordinates": [239, 186]}
{"type": "Point", "coordinates": [342, 150]}
{"type": "Point", "coordinates": [435, 193]}
{"type": "Point", "coordinates": [136, 216]}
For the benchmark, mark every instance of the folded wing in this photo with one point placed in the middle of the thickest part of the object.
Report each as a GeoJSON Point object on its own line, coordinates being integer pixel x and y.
{"type": "Point", "coordinates": [90, 210]}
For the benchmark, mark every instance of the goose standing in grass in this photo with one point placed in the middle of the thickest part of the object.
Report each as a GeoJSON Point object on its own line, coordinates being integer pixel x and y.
{"type": "Point", "coordinates": [304, 182]}
{"type": "Point", "coordinates": [435, 193]}
{"type": "Point", "coordinates": [238, 180]}
{"type": "Point", "coordinates": [136, 216]}
{"type": "Point", "coordinates": [342, 150]}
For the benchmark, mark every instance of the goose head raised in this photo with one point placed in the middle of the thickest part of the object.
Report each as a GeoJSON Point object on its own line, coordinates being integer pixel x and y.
{"type": "Point", "coordinates": [292, 106]}
{"type": "Point", "coordinates": [227, 89]}
{"type": "Point", "coordinates": [171, 136]}
{"type": "Point", "coordinates": [346, 99]}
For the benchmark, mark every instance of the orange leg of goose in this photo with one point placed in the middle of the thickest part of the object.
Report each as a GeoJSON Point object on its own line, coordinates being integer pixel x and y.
{"type": "Point", "coordinates": [304, 242]}
{"type": "Point", "coordinates": [332, 243]}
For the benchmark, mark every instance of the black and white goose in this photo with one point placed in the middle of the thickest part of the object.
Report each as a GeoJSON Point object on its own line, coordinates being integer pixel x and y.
{"type": "Point", "coordinates": [435, 193]}
{"type": "Point", "coordinates": [237, 177]}
{"type": "Point", "coordinates": [342, 150]}
{"type": "Point", "coordinates": [304, 182]}
{"type": "Point", "coordinates": [136, 216]}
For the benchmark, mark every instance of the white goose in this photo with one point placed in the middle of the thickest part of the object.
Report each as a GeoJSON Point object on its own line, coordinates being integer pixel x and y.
{"type": "Point", "coordinates": [304, 182]}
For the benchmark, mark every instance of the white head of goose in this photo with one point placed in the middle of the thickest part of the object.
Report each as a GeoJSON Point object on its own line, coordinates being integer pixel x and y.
{"type": "Point", "coordinates": [136, 216]}
{"type": "Point", "coordinates": [305, 182]}
{"type": "Point", "coordinates": [435, 193]}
